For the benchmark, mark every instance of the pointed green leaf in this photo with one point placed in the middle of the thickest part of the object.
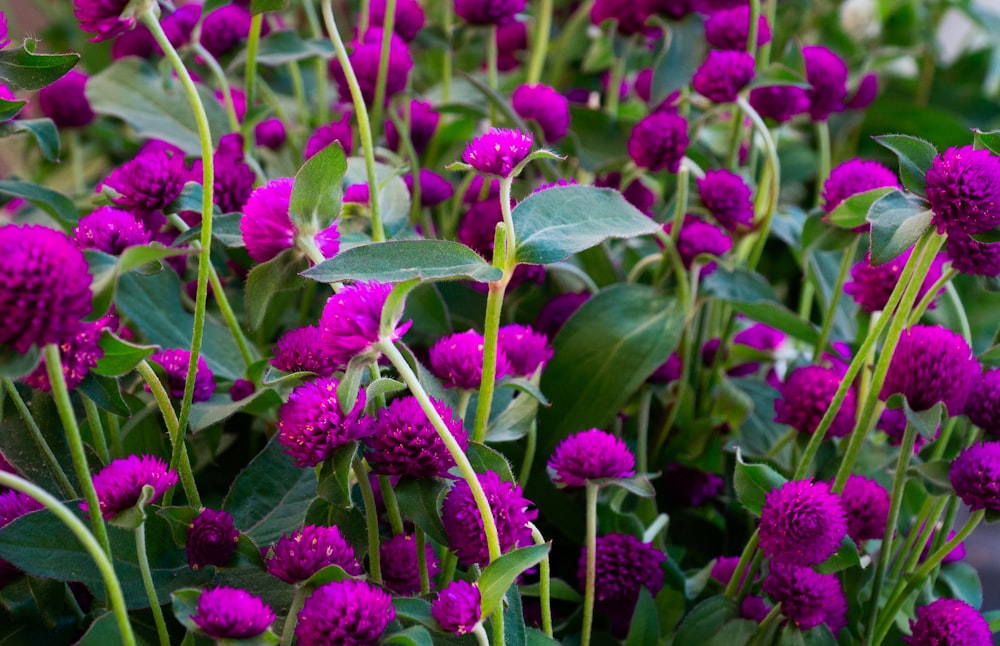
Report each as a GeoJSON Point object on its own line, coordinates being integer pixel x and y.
{"type": "Point", "coordinates": [682, 54]}
{"type": "Point", "coordinates": [934, 475]}
{"type": "Point", "coordinates": [638, 484]}
{"type": "Point", "coordinates": [106, 392]}
{"type": "Point", "coordinates": [261, 6]}
{"type": "Point", "coordinates": [23, 69]}
{"type": "Point", "coordinates": [14, 365]}
{"type": "Point", "coordinates": [265, 281]}
{"type": "Point", "coordinates": [853, 212]}
{"type": "Point", "coordinates": [335, 476]}
{"type": "Point", "coordinates": [927, 422]}
{"type": "Point", "coordinates": [898, 220]}
{"type": "Point", "coordinates": [846, 557]}
{"type": "Point", "coordinates": [318, 189]}
{"type": "Point", "coordinates": [400, 260]}
{"type": "Point", "coordinates": [484, 459]}
{"type": "Point", "coordinates": [412, 636]}
{"type": "Point", "coordinates": [418, 501]}
{"type": "Point", "coordinates": [392, 309]}
{"type": "Point", "coordinates": [701, 626]}
{"type": "Point", "coordinates": [285, 46]}
{"type": "Point", "coordinates": [753, 482]}
{"type": "Point", "coordinates": [221, 407]}
{"type": "Point", "coordinates": [383, 386]}
{"type": "Point", "coordinates": [915, 157]}
{"type": "Point", "coordinates": [120, 356]}
{"type": "Point", "coordinates": [8, 109]}
{"type": "Point", "coordinates": [499, 575]}
{"type": "Point", "coordinates": [43, 131]}
{"type": "Point", "coordinates": [644, 630]}
{"type": "Point", "coordinates": [52, 202]}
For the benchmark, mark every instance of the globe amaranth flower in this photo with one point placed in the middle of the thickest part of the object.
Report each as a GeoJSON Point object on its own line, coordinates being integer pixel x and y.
{"type": "Point", "coordinates": [339, 131]}
{"type": "Point", "coordinates": [975, 476]}
{"type": "Point", "coordinates": [524, 348]}
{"type": "Point", "coordinates": [635, 193]}
{"type": "Point", "coordinates": [223, 29]}
{"type": "Point", "coordinates": [457, 607]}
{"type": "Point", "coordinates": [963, 188]}
{"type": "Point", "coordinates": [234, 179]}
{"type": "Point", "coordinates": [478, 227]}
{"type": "Point", "coordinates": [807, 597]}
{"type": "Point", "coordinates": [624, 565]}
{"type": "Point", "coordinates": [760, 337]}
{"type": "Point", "coordinates": [730, 28]}
{"type": "Point", "coordinates": [434, 189]}
{"type": "Point", "coordinates": [855, 176]}
{"type": "Point", "coordinates": [302, 350]}
{"type": "Point", "coordinates": [267, 227]}
{"type": "Point", "coordinates": [892, 422]}
{"type": "Point", "coordinates": [464, 526]}
{"type": "Point", "coordinates": [827, 76]}
{"type": "Point", "coordinates": [149, 182]}
{"type": "Point", "coordinates": [727, 198]}
{"type": "Point", "coordinates": [477, 12]}
{"type": "Point", "coordinates": [864, 94]}
{"type": "Point", "coordinates": [658, 142]}
{"type": "Point", "coordinates": [175, 364]}
{"type": "Point", "coordinates": [690, 487]}
{"type": "Point", "coordinates": [558, 310]}
{"type": "Point", "coordinates": [498, 151]}
{"type": "Point", "coordinates": [948, 622]}
{"type": "Point", "coordinates": [64, 101]}
{"type": "Point", "coordinates": [270, 133]}
{"type": "Point", "coordinates": [590, 455]}
{"type": "Point", "coordinates": [457, 360]}
{"type": "Point", "coordinates": [357, 193]}
{"type": "Point", "coordinates": [102, 18]}
{"type": "Point", "coordinates": [13, 505]}
{"type": "Point", "coordinates": [983, 405]}
{"type": "Point", "coordinates": [956, 554]}
{"type": "Point", "coordinates": [669, 370]}
{"type": "Point", "coordinates": [365, 60]}
{"type": "Point", "coordinates": [139, 43]}
{"type": "Point", "coordinates": [119, 485]}
{"type": "Point", "coordinates": [4, 39]}
{"type": "Point", "coordinates": [45, 291]}
{"type": "Point", "coordinates": [630, 17]}
{"type": "Point", "coordinates": [723, 74]}
{"type": "Point", "coordinates": [422, 123]}
{"type": "Point", "coordinates": [512, 38]}
{"type": "Point", "coordinates": [972, 257]}
{"type": "Point", "coordinates": [931, 364]}
{"type": "Point", "coordinates": [350, 322]}
{"type": "Point", "coordinates": [110, 230]}
{"type": "Point", "coordinates": [78, 355]}
{"type": "Point", "coordinates": [400, 567]}
{"type": "Point", "coordinates": [179, 25]}
{"type": "Point", "coordinates": [408, 18]}
{"type": "Point", "coordinates": [228, 613]}
{"type": "Point", "coordinates": [345, 613]}
{"type": "Point", "coordinates": [311, 425]}
{"type": "Point", "coordinates": [866, 504]}
{"type": "Point", "coordinates": [698, 237]}
{"type": "Point", "coordinates": [723, 569]}
{"type": "Point", "coordinates": [544, 105]}
{"type": "Point", "coordinates": [211, 539]}
{"type": "Point", "coordinates": [241, 389]}
{"type": "Point", "coordinates": [779, 102]}
{"type": "Point", "coordinates": [403, 441]}
{"type": "Point", "coordinates": [304, 552]}
{"type": "Point", "coordinates": [801, 523]}
{"type": "Point", "coordinates": [872, 285]}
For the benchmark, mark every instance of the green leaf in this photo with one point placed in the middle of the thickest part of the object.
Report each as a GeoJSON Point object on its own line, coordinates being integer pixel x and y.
{"type": "Point", "coordinates": [335, 476]}
{"type": "Point", "coordinates": [644, 630]}
{"type": "Point", "coordinates": [120, 356]}
{"type": "Point", "coordinates": [393, 196]}
{"type": "Point", "coordinates": [225, 229]}
{"type": "Point", "coordinates": [326, 575]}
{"type": "Point", "coordinates": [189, 200]}
{"type": "Point", "coordinates": [8, 109]}
{"type": "Point", "coordinates": [44, 132]}
{"type": "Point", "coordinates": [898, 221]}
{"type": "Point", "coordinates": [819, 234]}
{"type": "Point", "coordinates": [962, 582]}
{"type": "Point", "coordinates": [513, 422]}
{"type": "Point", "coordinates": [418, 501]}
{"type": "Point", "coordinates": [185, 605]}
{"type": "Point", "coordinates": [558, 589]}
{"type": "Point", "coordinates": [484, 459]}
{"type": "Point", "coordinates": [555, 223]}
{"type": "Point", "coordinates": [265, 281]}
{"type": "Point", "coordinates": [318, 190]}
{"type": "Point", "coordinates": [753, 482]}
{"type": "Point", "coordinates": [853, 212]}
{"type": "Point", "coordinates": [22, 69]}
{"type": "Point", "coordinates": [412, 636]}
{"type": "Point", "coordinates": [397, 261]}
{"type": "Point", "coordinates": [392, 309]}
{"type": "Point", "coordinates": [846, 557]}
{"type": "Point", "coordinates": [18, 445]}
{"type": "Point", "coordinates": [983, 139]}
{"type": "Point", "coordinates": [915, 158]}
{"type": "Point", "coordinates": [702, 624]}
{"type": "Point", "coordinates": [934, 475]}
{"type": "Point", "coordinates": [927, 422]}
{"type": "Point", "coordinates": [52, 202]}
{"type": "Point", "coordinates": [14, 365]}
{"type": "Point", "coordinates": [350, 383]}
{"type": "Point", "coordinates": [383, 386]}
{"type": "Point", "coordinates": [104, 630]}
{"type": "Point", "coordinates": [682, 54]}
{"type": "Point", "coordinates": [499, 575]}
{"type": "Point", "coordinates": [261, 6]}
{"type": "Point", "coordinates": [818, 636]}
{"type": "Point", "coordinates": [638, 484]}
{"type": "Point", "coordinates": [286, 46]}
{"type": "Point", "coordinates": [220, 407]}
{"type": "Point", "coordinates": [106, 392]}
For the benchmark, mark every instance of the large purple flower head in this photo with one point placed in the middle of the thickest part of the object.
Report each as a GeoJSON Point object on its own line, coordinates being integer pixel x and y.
{"type": "Point", "coordinates": [266, 226]}
{"type": "Point", "coordinates": [872, 285]}
{"type": "Point", "coordinates": [149, 182]}
{"type": "Point", "coordinates": [434, 189]}
{"type": "Point", "coordinates": [102, 18]}
{"type": "Point", "coordinates": [223, 29]}
{"type": "Point", "coordinates": [948, 622]}
{"type": "Point", "coordinates": [175, 363]}
{"type": "Point", "coordinates": [983, 405]}
{"type": "Point", "coordinates": [524, 348]}
{"type": "Point", "coordinates": [723, 74]}
{"type": "Point", "coordinates": [807, 597]}
{"type": "Point", "coordinates": [495, 12]}
{"type": "Point", "coordinates": [690, 487]}
{"type": "Point", "coordinates": [349, 325]}
{"type": "Point", "coordinates": [45, 291]}
{"type": "Point", "coordinates": [457, 360]}
{"type": "Point", "coordinates": [975, 476]}
{"type": "Point", "coordinates": [827, 76]}
{"type": "Point", "coordinates": [630, 17]}
{"type": "Point", "coordinates": [110, 230]}
{"type": "Point", "coordinates": [346, 613]}
{"type": "Point", "coordinates": [179, 25]}
{"type": "Point", "coordinates": [4, 39]}
{"type": "Point", "coordinates": [423, 123]}
{"type": "Point", "coordinates": [464, 526]}
{"type": "Point", "coordinates": [802, 523]}
{"type": "Point", "coordinates": [78, 355]}
{"type": "Point", "coordinates": [931, 364]}
{"type": "Point", "coordinates": [331, 132]}
{"type": "Point", "coordinates": [13, 505]}
{"type": "Point", "coordinates": [211, 539]}
{"type": "Point", "coordinates": [311, 425]}
{"type": "Point", "coordinates": [365, 60]}
{"type": "Point", "coordinates": [972, 257]}
{"type": "Point", "coordinates": [866, 504]}
{"type": "Point", "coordinates": [408, 20]}
{"type": "Point", "coordinates": [302, 350]}
{"type": "Point", "coordinates": [699, 237]}
{"type": "Point", "coordinates": [590, 455]}
{"type": "Point", "coordinates": [234, 179]}
{"type": "Point", "coordinates": [727, 198]}
{"type": "Point", "coordinates": [119, 485]}
{"type": "Point", "coordinates": [498, 151]}
{"type": "Point", "coordinates": [855, 176]}
{"type": "Point", "coordinates": [64, 101]}
{"type": "Point", "coordinates": [730, 28]}
{"type": "Point", "coordinates": [400, 567]}
{"type": "Point", "coordinates": [658, 142]}
{"type": "Point", "coordinates": [228, 613]}
{"type": "Point", "coordinates": [512, 37]}
{"type": "Point", "coordinates": [304, 552]}
{"type": "Point", "coordinates": [625, 565]}
{"type": "Point", "coordinates": [779, 102]}
{"type": "Point", "coordinates": [404, 442]}
{"type": "Point", "coordinates": [457, 608]}
{"type": "Point", "coordinates": [963, 187]}
{"type": "Point", "coordinates": [546, 106]}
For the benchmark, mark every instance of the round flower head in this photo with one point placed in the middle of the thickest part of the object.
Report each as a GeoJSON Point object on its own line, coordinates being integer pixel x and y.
{"type": "Point", "coordinates": [478, 227]}
{"type": "Point", "coordinates": [349, 325]}
{"type": "Point", "coordinates": [408, 20]}
{"type": "Point", "coordinates": [546, 106]}
{"type": "Point", "coordinates": [827, 76]}
{"type": "Point", "coordinates": [690, 487]}
{"type": "Point", "coordinates": [975, 476]}
{"type": "Point", "coordinates": [180, 25]}
{"type": "Point", "coordinates": [357, 193]}
{"type": "Point", "coordinates": [270, 133]}
{"type": "Point", "coordinates": [590, 455]}
{"type": "Point", "coordinates": [234, 179]}
{"type": "Point", "coordinates": [64, 101]}
{"type": "Point", "coordinates": [241, 389]}
{"type": "Point", "coordinates": [669, 371]}
{"type": "Point", "coordinates": [865, 93]}
{"type": "Point", "coordinates": [807, 597]}
{"type": "Point", "coordinates": [223, 29]}
{"type": "Point", "coordinates": [866, 504]}
{"type": "Point", "coordinates": [365, 60]}
{"type": "Point", "coordinates": [301, 349]}
{"type": "Point", "coordinates": [457, 360]}
{"type": "Point", "coordinates": [311, 425]}
{"type": "Point", "coordinates": [723, 74]}
{"type": "Point", "coordinates": [727, 198]}
{"type": "Point", "coordinates": [423, 122]}
{"type": "Point", "coordinates": [524, 349]}
{"type": "Point", "coordinates": [698, 237]}
{"type": "Point", "coordinates": [723, 569]}
{"type": "Point", "coordinates": [730, 28]}
{"type": "Point", "coordinates": [45, 291]}
{"type": "Point", "coordinates": [779, 102]}
{"type": "Point", "coordinates": [110, 230]}
{"type": "Point", "coordinates": [339, 131]}
{"type": "Point", "coordinates": [630, 17]}
{"type": "Point", "coordinates": [175, 364]}
{"type": "Point", "coordinates": [139, 43]}
{"type": "Point", "coordinates": [119, 485]}
{"type": "Point", "coordinates": [78, 355]}
{"type": "Point", "coordinates": [4, 39]}
{"type": "Point", "coordinates": [625, 565]}
{"type": "Point", "coordinates": [931, 364]}
{"type": "Point", "coordinates": [802, 523]}
{"type": "Point", "coordinates": [855, 176]}
{"type": "Point", "coordinates": [13, 505]}
{"type": "Point", "coordinates": [557, 311]}
{"type": "Point", "coordinates": [872, 285]}
{"type": "Point", "coordinates": [972, 257]}
{"type": "Point", "coordinates": [949, 622]}
{"type": "Point", "coordinates": [102, 18]}
{"type": "Point", "coordinates": [345, 613]}
{"type": "Point", "coordinates": [496, 12]}
{"type": "Point", "coordinates": [963, 187]}
{"type": "Point", "coordinates": [304, 552]}
{"type": "Point", "coordinates": [434, 189]}
{"type": "Point", "coordinates": [400, 568]}
{"type": "Point", "coordinates": [211, 539]}
{"type": "Point", "coordinates": [266, 226]}
{"type": "Point", "coordinates": [498, 151]}
{"type": "Point", "coordinates": [658, 142]}
{"type": "Point", "coordinates": [457, 608]}
{"type": "Point", "coordinates": [464, 526]}
{"type": "Point", "coordinates": [149, 182]}
{"type": "Point", "coordinates": [227, 613]}
{"type": "Point", "coordinates": [956, 554]}
{"type": "Point", "coordinates": [403, 440]}
{"type": "Point", "coordinates": [983, 405]}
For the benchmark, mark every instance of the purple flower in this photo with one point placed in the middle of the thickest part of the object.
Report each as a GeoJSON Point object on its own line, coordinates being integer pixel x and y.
{"type": "Point", "coordinates": [827, 75]}
{"type": "Point", "coordinates": [723, 569]}
{"type": "Point", "coordinates": [457, 608]}
{"type": "Point", "coordinates": [727, 198]}
{"type": "Point", "coordinates": [478, 226]}
{"type": "Point", "coordinates": [931, 364]}
{"type": "Point", "coordinates": [227, 613]}
{"type": "Point", "coordinates": [754, 608]}
{"type": "Point", "coordinates": [234, 179]}
{"type": "Point", "coordinates": [357, 193]}
{"type": "Point", "coordinates": [807, 597]}
{"type": "Point", "coordinates": [669, 371]}
{"type": "Point", "coordinates": [175, 364]}
{"type": "Point", "coordinates": [139, 42]}
{"type": "Point", "coordinates": [119, 485]}
{"type": "Point", "coordinates": [464, 526]}
{"type": "Point", "coordinates": [658, 142]}
{"type": "Point", "coordinates": [434, 189]}
{"type": "Point", "coordinates": [852, 177]}
{"type": "Point", "coordinates": [983, 405]}
{"type": "Point", "coordinates": [404, 442]}
{"type": "Point", "coordinates": [346, 613]}
{"type": "Point", "coordinates": [476, 193]}
{"type": "Point", "coordinates": [866, 504]}
{"type": "Point", "coordinates": [557, 311]}
{"type": "Point", "coordinates": [13, 505]}
{"type": "Point", "coordinates": [512, 37]}
{"type": "Point", "coordinates": [325, 135]}
{"type": "Point", "coordinates": [698, 237]}
{"type": "Point", "coordinates": [495, 12]}
{"type": "Point", "coordinates": [4, 40]}
{"type": "Point", "coordinates": [625, 565]}
{"type": "Point", "coordinates": [423, 123]}
{"type": "Point", "coordinates": [102, 18]}
{"type": "Point", "coordinates": [723, 74]}
{"type": "Point", "coordinates": [78, 355]}
{"type": "Point", "coordinates": [893, 424]}
{"type": "Point", "coordinates": [975, 476]}
{"type": "Point", "coordinates": [630, 17]}
{"type": "Point", "coordinates": [45, 291]}
{"type": "Point", "coordinates": [64, 101]}
{"type": "Point", "coordinates": [963, 187]}
{"type": "Point", "coordinates": [409, 17]}
{"type": "Point", "coordinates": [110, 230]}
{"type": "Point", "coordinates": [350, 322]}
{"type": "Point", "coordinates": [270, 133]}
{"type": "Point", "coordinates": [304, 552]}
{"type": "Point", "coordinates": [498, 151]}
{"type": "Point", "coordinates": [365, 60]}
{"type": "Point", "coordinates": [311, 425]}
{"type": "Point", "coordinates": [546, 106]}
{"type": "Point", "coordinates": [690, 487]}
{"type": "Point", "coordinates": [211, 539]}
{"type": "Point", "coordinates": [457, 360]}
{"type": "Point", "coordinates": [956, 554]}
{"type": "Point", "coordinates": [801, 523]}
{"type": "Point", "coordinates": [779, 102]}
{"type": "Point", "coordinates": [949, 622]}
{"type": "Point", "coordinates": [301, 350]}
{"type": "Point", "coordinates": [730, 28]}
{"type": "Point", "coordinates": [223, 29]}
{"type": "Point", "coordinates": [241, 389]}
{"type": "Point", "coordinates": [149, 182]}
{"type": "Point", "coordinates": [400, 568]}
{"type": "Point", "coordinates": [267, 227]}
{"type": "Point", "coordinates": [524, 348]}
{"type": "Point", "coordinates": [180, 25]}
{"type": "Point", "coordinates": [872, 285]}
{"type": "Point", "coordinates": [972, 257]}
{"type": "Point", "coordinates": [635, 193]}
{"type": "Point", "coordinates": [865, 93]}
{"type": "Point", "coordinates": [590, 455]}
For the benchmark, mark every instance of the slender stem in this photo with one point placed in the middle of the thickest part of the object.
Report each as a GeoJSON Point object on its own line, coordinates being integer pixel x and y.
{"type": "Point", "coordinates": [371, 515]}
{"type": "Point", "coordinates": [823, 141]}
{"type": "Point", "coordinates": [765, 625]}
{"type": "Point", "coordinates": [782, 443]}
{"type": "Point", "coordinates": [299, 91]}
{"type": "Point", "coordinates": [253, 43]}
{"type": "Point", "coordinates": [951, 295]}
{"type": "Point", "coordinates": [530, 447]}
{"type": "Point", "coordinates": [36, 434]}
{"type": "Point", "coordinates": [391, 505]}
{"type": "Point", "coordinates": [735, 139]}
{"type": "Point", "coordinates": [590, 545]}
{"type": "Point", "coordinates": [764, 56]}
{"type": "Point", "coordinates": [115, 431]}
{"type": "Point", "coordinates": [147, 583]}
{"type": "Point", "coordinates": [492, 67]}
{"type": "Point", "coordinates": [494, 305]}
{"type": "Point", "coordinates": [540, 43]}
{"type": "Point", "coordinates": [642, 431]}
{"type": "Point", "coordinates": [753, 27]}
{"type": "Point", "coordinates": [615, 83]}
{"type": "Point", "coordinates": [916, 551]}
{"type": "Point", "coordinates": [322, 109]}
{"type": "Point", "coordinates": [96, 430]}
{"type": "Point", "coordinates": [932, 293]}
{"type": "Point", "coordinates": [292, 618]}
{"type": "Point", "coordinates": [448, 564]}
{"type": "Point", "coordinates": [835, 294]}
{"type": "Point", "coordinates": [733, 587]}
{"type": "Point", "coordinates": [447, 25]}
{"type": "Point", "coordinates": [223, 81]}
{"type": "Point", "coordinates": [480, 633]}
{"type": "Point", "coordinates": [76, 159]}
{"type": "Point", "coordinates": [425, 578]}
{"type": "Point", "coordinates": [773, 171]}
{"type": "Point", "coordinates": [544, 582]}
{"type": "Point", "coordinates": [383, 64]}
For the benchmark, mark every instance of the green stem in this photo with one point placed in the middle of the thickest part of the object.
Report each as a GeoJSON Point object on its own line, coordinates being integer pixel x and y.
{"type": "Point", "coordinates": [615, 83]}
{"type": "Point", "coordinates": [544, 582]}
{"type": "Point", "coordinates": [425, 578]}
{"type": "Point", "coordinates": [753, 27]}
{"type": "Point", "coordinates": [299, 91]}
{"type": "Point", "coordinates": [383, 63]}
{"type": "Point", "coordinates": [765, 625]}
{"type": "Point", "coordinates": [913, 553]}
{"type": "Point", "coordinates": [391, 505]}
{"type": "Point", "coordinates": [530, 447]}
{"type": "Point", "coordinates": [782, 443]}
{"type": "Point", "coordinates": [590, 545]}
{"type": "Point", "coordinates": [96, 430]}
{"type": "Point", "coordinates": [76, 160]}
{"type": "Point", "coordinates": [253, 44]}
{"type": "Point", "coordinates": [951, 295]}
{"type": "Point", "coordinates": [292, 618]}
{"type": "Point", "coordinates": [764, 56]}
{"type": "Point", "coordinates": [147, 583]}
{"type": "Point", "coordinates": [540, 44]}
{"type": "Point", "coordinates": [36, 434]}
{"type": "Point", "coordinates": [371, 516]}
{"type": "Point", "coordinates": [733, 587]}
{"type": "Point", "coordinates": [481, 638]}
{"type": "Point", "coordinates": [773, 172]}
{"type": "Point", "coordinates": [642, 431]}
{"type": "Point", "coordinates": [823, 143]}
{"type": "Point", "coordinates": [447, 25]}
{"type": "Point", "coordinates": [223, 82]}
{"type": "Point", "coordinates": [115, 431]}
{"type": "Point", "coordinates": [494, 305]}
{"type": "Point", "coordinates": [492, 67]}
{"type": "Point", "coordinates": [835, 294]}
{"type": "Point", "coordinates": [932, 293]}
{"type": "Point", "coordinates": [448, 564]}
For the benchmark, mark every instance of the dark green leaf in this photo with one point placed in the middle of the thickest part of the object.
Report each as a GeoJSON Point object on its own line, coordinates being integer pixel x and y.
{"type": "Point", "coordinates": [990, 357]}
{"type": "Point", "coordinates": [514, 629]}
{"type": "Point", "coordinates": [818, 636]}
{"type": "Point", "coordinates": [397, 261]}
{"type": "Point", "coordinates": [513, 422]}
{"type": "Point", "coordinates": [737, 285]}
{"type": "Point", "coordinates": [846, 557]}
{"type": "Point", "coordinates": [120, 356]}
{"type": "Point", "coordinates": [898, 221]}
{"type": "Point", "coordinates": [819, 234]}
{"type": "Point", "coordinates": [393, 196]}
{"type": "Point", "coordinates": [418, 500]}
{"type": "Point", "coordinates": [778, 74]}
{"type": "Point", "coordinates": [702, 624]}
{"type": "Point", "coordinates": [526, 386]}
{"type": "Point", "coordinates": [853, 212]}
{"type": "Point", "coordinates": [185, 606]}
{"type": "Point", "coordinates": [934, 475]}
{"type": "Point", "coordinates": [484, 459]}
{"type": "Point", "coordinates": [189, 200]}
{"type": "Point", "coordinates": [326, 575]}
{"type": "Point", "coordinates": [22, 69]}
{"type": "Point", "coordinates": [225, 229]}
{"type": "Point", "coordinates": [412, 636]}
{"type": "Point", "coordinates": [989, 237]}
{"type": "Point", "coordinates": [499, 575]}
{"type": "Point", "coordinates": [106, 392]}
{"type": "Point", "coordinates": [558, 589]}
{"type": "Point", "coordinates": [261, 6]}
{"type": "Point", "coordinates": [990, 140]}
{"type": "Point", "coordinates": [335, 476]}
{"type": "Point", "coordinates": [927, 422]}
{"type": "Point", "coordinates": [383, 386]}
{"type": "Point", "coordinates": [14, 365]}
{"type": "Point", "coordinates": [104, 630]}
{"type": "Point", "coordinates": [645, 627]}
{"type": "Point", "coordinates": [19, 446]}
{"type": "Point", "coordinates": [536, 637]}
{"type": "Point", "coordinates": [44, 132]}
{"type": "Point", "coordinates": [10, 108]}
{"type": "Point", "coordinates": [285, 46]}
{"type": "Point", "coordinates": [753, 482]}
{"type": "Point", "coordinates": [52, 202]}
{"type": "Point", "coordinates": [265, 281]}
{"type": "Point", "coordinates": [915, 158]}
{"type": "Point", "coordinates": [220, 407]}
{"type": "Point", "coordinates": [318, 190]}
{"type": "Point", "coordinates": [350, 384]}
{"type": "Point", "coordinates": [683, 53]}
{"type": "Point", "coordinates": [962, 582]}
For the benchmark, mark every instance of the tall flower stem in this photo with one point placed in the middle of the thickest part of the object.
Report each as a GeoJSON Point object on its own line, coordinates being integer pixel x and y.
{"type": "Point", "coordinates": [322, 110]}
{"type": "Point", "coordinates": [96, 430]}
{"type": "Point", "coordinates": [371, 515]}
{"type": "Point", "coordinates": [530, 447]}
{"type": "Point", "coordinates": [447, 24]}
{"type": "Point", "coordinates": [53, 364]}
{"type": "Point", "coordinates": [492, 67]}
{"type": "Point", "coordinates": [590, 544]}
{"type": "Point", "coordinates": [928, 298]}
{"type": "Point", "coordinates": [224, 87]}
{"type": "Point", "coordinates": [540, 41]}
{"type": "Point", "coordinates": [733, 587]}
{"type": "Point", "coordinates": [425, 578]}
{"type": "Point", "coordinates": [292, 618]}
{"type": "Point", "coordinates": [772, 171]}
{"type": "Point", "coordinates": [250, 82]}
{"type": "Point", "coordinates": [823, 143]}
{"type": "Point", "coordinates": [544, 583]}
{"type": "Point", "coordinates": [391, 505]}
{"type": "Point", "coordinates": [383, 62]}
{"type": "Point", "coordinates": [912, 552]}
{"type": "Point", "coordinates": [147, 584]}
{"type": "Point", "coordinates": [835, 294]}
{"type": "Point", "coordinates": [36, 434]}
{"type": "Point", "coordinates": [364, 125]}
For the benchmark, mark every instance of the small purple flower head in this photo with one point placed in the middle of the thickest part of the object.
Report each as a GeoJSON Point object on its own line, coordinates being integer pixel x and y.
{"type": "Point", "coordinates": [872, 285]}
{"type": "Point", "coordinates": [409, 18]}
{"type": "Point", "coordinates": [730, 28]}
{"type": "Point", "coordinates": [228, 613]}
{"type": "Point", "coordinates": [403, 440]}
{"type": "Point", "coordinates": [975, 476]}
{"type": "Point", "coordinates": [266, 225]}
{"type": "Point", "coordinates": [497, 12]}
{"type": "Point", "coordinates": [950, 622]}
{"type": "Point", "coordinates": [301, 349]}
{"type": "Point", "coordinates": [524, 348]}
{"type": "Point", "coordinates": [234, 179]}
{"type": "Point", "coordinates": [211, 539]}
{"type": "Point", "coordinates": [699, 237]}
{"type": "Point", "coordinates": [972, 257]}
{"type": "Point", "coordinates": [931, 364]}
{"type": "Point", "coordinates": [346, 613]}
{"type": "Point", "coordinates": [723, 74]}
{"type": "Point", "coordinates": [464, 526]}
{"type": "Point", "coordinates": [636, 193]}
{"type": "Point", "coordinates": [434, 189]}
{"type": "Point", "coordinates": [963, 187]}
{"type": "Point", "coordinates": [78, 354]}
{"type": "Point", "coordinates": [423, 124]}
{"type": "Point", "coordinates": [807, 597]}
{"type": "Point", "coordinates": [855, 176]}
{"type": "Point", "coordinates": [110, 230]}
{"type": "Point", "coordinates": [350, 322]}
{"type": "Point", "coordinates": [241, 389]}
{"type": "Point", "coordinates": [630, 17]}
{"type": "Point", "coordinates": [102, 18]}
{"type": "Point", "coordinates": [723, 569]}
{"type": "Point", "coordinates": [45, 291]}
{"type": "Point", "coordinates": [4, 39]}
{"type": "Point", "coordinates": [546, 106]}
{"type": "Point", "coordinates": [753, 607]}
{"type": "Point", "coordinates": [175, 364]}
{"type": "Point", "coordinates": [590, 455]}
{"type": "Point", "coordinates": [304, 552]}
{"type": "Point", "coordinates": [478, 227]}
{"type": "Point", "coordinates": [357, 193]}
{"type": "Point", "coordinates": [311, 425]}
{"type": "Point", "coordinates": [331, 132]}
{"type": "Point", "coordinates": [669, 371]}
{"type": "Point", "coordinates": [865, 93]}
{"type": "Point", "coordinates": [179, 25]}
{"type": "Point", "coordinates": [956, 554]}
{"type": "Point", "coordinates": [13, 505]}
{"type": "Point", "coordinates": [779, 102]}
{"type": "Point", "coordinates": [512, 37]}
{"type": "Point", "coordinates": [139, 43]}
{"type": "Point", "coordinates": [625, 565]}
{"type": "Point", "coordinates": [658, 142]}
{"type": "Point", "coordinates": [690, 487]}
{"type": "Point", "coordinates": [365, 60]}
{"type": "Point", "coordinates": [557, 311]}
{"type": "Point", "coordinates": [457, 360]}
{"type": "Point", "coordinates": [64, 101]}
{"type": "Point", "coordinates": [400, 568]}
{"type": "Point", "coordinates": [270, 133]}
{"type": "Point", "coordinates": [727, 198]}
{"type": "Point", "coordinates": [866, 504]}
{"type": "Point", "coordinates": [802, 523]}
{"type": "Point", "coordinates": [827, 74]}
{"type": "Point", "coordinates": [983, 405]}
{"type": "Point", "coordinates": [223, 29]}
{"type": "Point", "coordinates": [119, 484]}
{"type": "Point", "coordinates": [149, 182]}
{"type": "Point", "coordinates": [498, 152]}
{"type": "Point", "coordinates": [457, 608]}
{"type": "Point", "coordinates": [893, 423]}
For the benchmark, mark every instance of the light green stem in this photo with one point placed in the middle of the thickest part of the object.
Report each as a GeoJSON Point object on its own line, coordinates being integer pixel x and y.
{"type": "Point", "coordinates": [480, 634]}
{"type": "Point", "coordinates": [544, 582]}
{"type": "Point", "coordinates": [773, 172]}
{"type": "Point", "coordinates": [115, 431]}
{"type": "Point", "coordinates": [447, 24]}
{"type": "Point", "coordinates": [389, 23]}
{"type": "Point", "coordinates": [835, 294]}
{"type": "Point", "coordinates": [590, 544]}
{"type": "Point", "coordinates": [916, 550]}
{"type": "Point", "coordinates": [425, 578]}
{"type": "Point", "coordinates": [642, 431]}
{"type": "Point", "coordinates": [540, 44]}
{"type": "Point", "coordinates": [492, 67]}
{"type": "Point", "coordinates": [371, 516]}
{"type": "Point", "coordinates": [322, 109]}
{"type": "Point", "coordinates": [223, 81]}
{"type": "Point", "coordinates": [932, 293]}
{"type": "Point", "coordinates": [733, 587]}
{"type": "Point", "coordinates": [147, 583]}
{"type": "Point", "coordinates": [391, 505]}
{"type": "Point", "coordinates": [292, 618]}
{"type": "Point", "coordinates": [765, 625]}
{"type": "Point", "coordinates": [96, 430]}
{"type": "Point", "coordinates": [615, 84]}
{"type": "Point", "coordinates": [250, 87]}
{"type": "Point", "coordinates": [36, 434]}
{"type": "Point", "coordinates": [823, 141]}
{"type": "Point", "coordinates": [753, 27]}
{"type": "Point", "coordinates": [530, 446]}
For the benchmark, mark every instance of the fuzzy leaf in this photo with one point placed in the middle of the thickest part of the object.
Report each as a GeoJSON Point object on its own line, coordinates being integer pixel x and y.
{"type": "Point", "coordinates": [898, 220]}
{"type": "Point", "coordinates": [915, 157]}
{"type": "Point", "coordinates": [499, 575]}
{"type": "Point", "coordinates": [23, 69]}
{"type": "Point", "coordinates": [400, 260]}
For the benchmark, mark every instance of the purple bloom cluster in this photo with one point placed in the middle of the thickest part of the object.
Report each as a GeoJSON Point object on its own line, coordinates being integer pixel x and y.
{"type": "Point", "coordinates": [975, 476]}
{"type": "Point", "coordinates": [698, 237]}
{"type": "Point", "coordinates": [223, 29]}
{"type": "Point", "coordinates": [400, 567]}
{"type": "Point", "coordinates": [496, 12]}
{"type": "Point", "coordinates": [457, 360]}
{"type": "Point", "coordinates": [350, 322]}
{"type": "Point", "coordinates": [119, 485]}
{"type": "Point", "coordinates": [855, 176]}
{"type": "Point", "coordinates": [802, 523]}
{"type": "Point", "coordinates": [544, 105]}
{"type": "Point", "coordinates": [498, 152]}
{"type": "Point", "coordinates": [457, 607]}
{"type": "Point", "coordinates": [311, 425]}
{"type": "Point", "coordinates": [690, 487]}
{"type": "Point", "coordinates": [871, 285]}
{"type": "Point", "coordinates": [434, 189]}
{"type": "Point", "coordinates": [110, 230]}
{"type": "Point", "coordinates": [266, 227]}
{"type": "Point", "coordinates": [64, 101]}
{"type": "Point", "coordinates": [228, 613]}
{"type": "Point", "coordinates": [423, 123]}
{"type": "Point", "coordinates": [931, 364]}
{"type": "Point", "coordinates": [625, 565]}
{"type": "Point", "coordinates": [972, 257]}
{"type": "Point", "coordinates": [301, 349]}
{"type": "Point", "coordinates": [827, 76]}
{"type": "Point", "coordinates": [304, 552]}
{"type": "Point", "coordinates": [339, 131]}
{"type": "Point", "coordinates": [730, 28]}
{"type": "Point", "coordinates": [951, 622]}
{"type": "Point", "coordinates": [590, 455]}
{"type": "Point", "coordinates": [630, 17]}
{"type": "Point", "coordinates": [149, 182]}
{"type": "Point", "coordinates": [963, 187]}
{"type": "Point", "coordinates": [365, 59]}
{"type": "Point", "coordinates": [983, 405]}
{"type": "Point", "coordinates": [779, 102]}
{"type": "Point", "coordinates": [78, 355]}
{"type": "Point", "coordinates": [524, 348]}
{"type": "Point", "coordinates": [404, 442]}
{"type": "Point", "coordinates": [807, 597]}
{"type": "Point", "coordinates": [658, 142]}
{"type": "Point", "coordinates": [102, 18]}
{"type": "Point", "coordinates": [408, 18]}
{"type": "Point", "coordinates": [175, 364]}
{"type": "Point", "coordinates": [723, 74]}
{"type": "Point", "coordinates": [866, 504]}
{"type": "Point", "coordinates": [211, 539]}
{"type": "Point", "coordinates": [727, 198]}
{"type": "Point", "coordinates": [347, 613]}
